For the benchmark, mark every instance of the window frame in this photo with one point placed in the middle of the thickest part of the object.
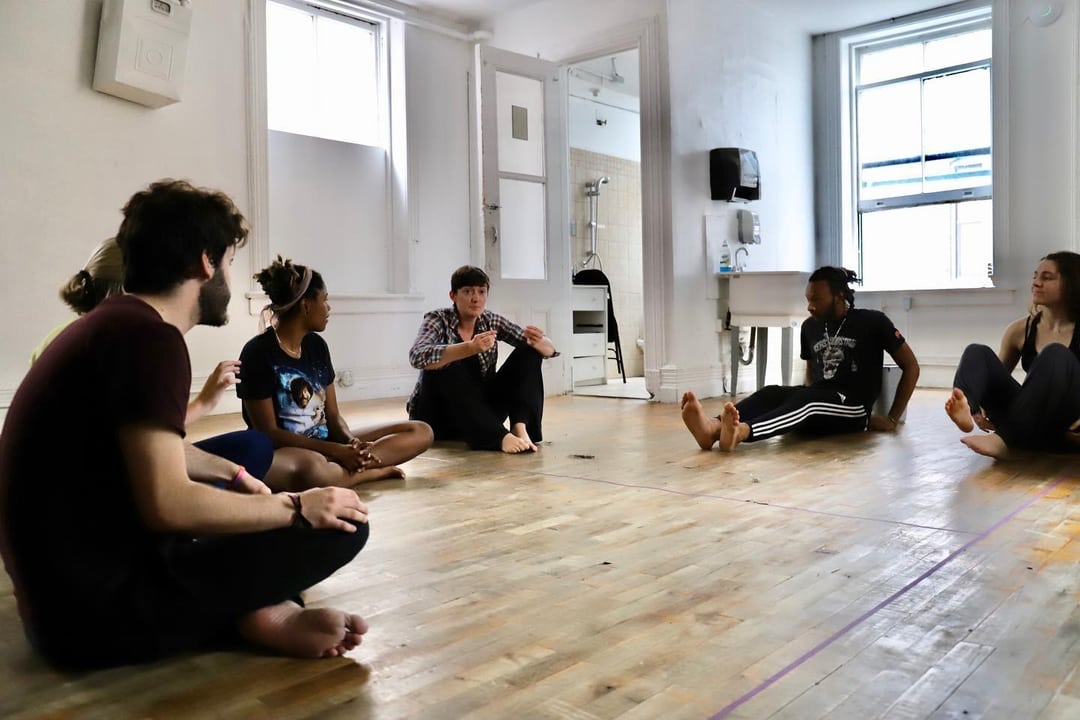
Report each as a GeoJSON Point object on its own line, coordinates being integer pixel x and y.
{"type": "Point", "coordinates": [857, 50]}
{"type": "Point", "coordinates": [837, 206]}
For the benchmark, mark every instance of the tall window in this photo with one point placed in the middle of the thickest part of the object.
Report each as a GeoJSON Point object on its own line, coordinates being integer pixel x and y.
{"type": "Point", "coordinates": [921, 150]}
{"type": "Point", "coordinates": [323, 74]}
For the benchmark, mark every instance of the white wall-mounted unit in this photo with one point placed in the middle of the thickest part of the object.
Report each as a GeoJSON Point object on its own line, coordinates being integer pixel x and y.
{"type": "Point", "coordinates": [142, 49]}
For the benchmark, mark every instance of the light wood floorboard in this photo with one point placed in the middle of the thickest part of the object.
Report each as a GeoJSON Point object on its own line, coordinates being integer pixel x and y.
{"type": "Point", "coordinates": [622, 573]}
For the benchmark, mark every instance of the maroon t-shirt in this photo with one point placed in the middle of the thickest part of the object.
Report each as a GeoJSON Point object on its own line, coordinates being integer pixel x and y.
{"type": "Point", "coordinates": [69, 527]}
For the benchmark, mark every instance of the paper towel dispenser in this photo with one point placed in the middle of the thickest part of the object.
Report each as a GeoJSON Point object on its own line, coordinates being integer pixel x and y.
{"type": "Point", "coordinates": [733, 174]}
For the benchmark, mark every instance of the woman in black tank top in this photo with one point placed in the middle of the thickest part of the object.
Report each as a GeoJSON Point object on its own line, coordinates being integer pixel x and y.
{"type": "Point", "coordinates": [1042, 413]}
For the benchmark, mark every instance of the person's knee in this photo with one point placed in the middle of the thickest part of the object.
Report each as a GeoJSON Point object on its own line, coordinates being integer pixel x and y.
{"type": "Point", "coordinates": [977, 350]}
{"type": "Point", "coordinates": [423, 433]}
{"type": "Point", "coordinates": [357, 540]}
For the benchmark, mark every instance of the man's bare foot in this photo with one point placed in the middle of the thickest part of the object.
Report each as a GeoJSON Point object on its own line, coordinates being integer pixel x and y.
{"type": "Point", "coordinates": [989, 445]}
{"type": "Point", "coordinates": [512, 444]}
{"type": "Point", "coordinates": [303, 632]}
{"type": "Point", "coordinates": [518, 430]}
{"type": "Point", "coordinates": [958, 410]}
{"type": "Point", "coordinates": [705, 429]}
{"type": "Point", "coordinates": [732, 432]}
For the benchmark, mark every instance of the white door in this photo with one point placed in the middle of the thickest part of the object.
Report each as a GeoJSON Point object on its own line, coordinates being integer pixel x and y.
{"type": "Point", "coordinates": [526, 238]}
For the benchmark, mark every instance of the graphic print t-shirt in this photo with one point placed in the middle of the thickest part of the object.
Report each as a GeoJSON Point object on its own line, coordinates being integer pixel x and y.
{"type": "Point", "coordinates": [297, 386]}
{"type": "Point", "coordinates": [851, 356]}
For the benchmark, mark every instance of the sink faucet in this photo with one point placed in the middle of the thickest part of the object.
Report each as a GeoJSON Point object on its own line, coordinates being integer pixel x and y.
{"type": "Point", "coordinates": [739, 267]}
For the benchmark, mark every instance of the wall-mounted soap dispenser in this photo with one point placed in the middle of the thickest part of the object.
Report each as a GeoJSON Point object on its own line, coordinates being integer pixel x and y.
{"type": "Point", "coordinates": [749, 227]}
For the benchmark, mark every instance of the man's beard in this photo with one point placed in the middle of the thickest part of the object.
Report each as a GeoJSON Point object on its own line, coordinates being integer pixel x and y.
{"type": "Point", "coordinates": [214, 298]}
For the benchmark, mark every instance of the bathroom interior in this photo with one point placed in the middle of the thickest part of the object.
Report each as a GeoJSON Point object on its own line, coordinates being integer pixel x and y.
{"type": "Point", "coordinates": [605, 188]}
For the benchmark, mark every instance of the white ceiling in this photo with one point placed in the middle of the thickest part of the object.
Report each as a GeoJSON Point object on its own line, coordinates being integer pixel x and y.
{"type": "Point", "coordinates": [815, 16]}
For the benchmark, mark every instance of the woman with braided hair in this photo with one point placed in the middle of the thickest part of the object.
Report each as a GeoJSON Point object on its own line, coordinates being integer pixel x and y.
{"type": "Point", "coordinates": [844, 350]}
{"type": "Point", "coordinates": [288, 392]}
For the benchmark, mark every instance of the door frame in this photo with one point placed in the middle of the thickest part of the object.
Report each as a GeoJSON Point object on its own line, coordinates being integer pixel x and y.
{"type": "Point", "coordinates": [648, 36]}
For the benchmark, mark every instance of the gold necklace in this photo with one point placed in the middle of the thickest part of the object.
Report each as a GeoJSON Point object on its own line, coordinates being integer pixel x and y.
{"type": "Point", "coordinates": [287, 350]}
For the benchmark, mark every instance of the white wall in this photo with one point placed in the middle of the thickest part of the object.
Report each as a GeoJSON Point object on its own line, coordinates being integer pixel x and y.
{"type": "Point", "coordinates": [737, 77]}
{"type": "Point", "coordinates": [619, 135]}
{"type": "Point", "coordinates": [71, 157]}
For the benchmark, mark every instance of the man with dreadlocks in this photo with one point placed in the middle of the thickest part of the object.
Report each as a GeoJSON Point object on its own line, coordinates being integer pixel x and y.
{"type": "Point", "coordinates": [844, 351]}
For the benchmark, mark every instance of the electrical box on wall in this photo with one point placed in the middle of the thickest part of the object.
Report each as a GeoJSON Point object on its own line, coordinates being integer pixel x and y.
{"type": "Point", "coordinates": [142, 49]}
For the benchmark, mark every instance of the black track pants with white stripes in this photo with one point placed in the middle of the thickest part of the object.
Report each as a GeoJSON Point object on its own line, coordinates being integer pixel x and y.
{"type": "Point", "coordinates": [775, 410]}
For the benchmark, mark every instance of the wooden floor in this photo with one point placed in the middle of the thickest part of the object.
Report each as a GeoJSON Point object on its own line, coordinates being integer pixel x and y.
{"type": "Point", "coordinates": [623, 573]}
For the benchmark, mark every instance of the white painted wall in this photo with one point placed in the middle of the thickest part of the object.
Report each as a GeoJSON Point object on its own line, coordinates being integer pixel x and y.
{"type": "Point", "coordinates": [70, 158]}
{"type": "Point", "coordinates": [618, 136]}
{"type": "Point", "coordinates": [737, 77]}
{"type": "Point", "coordinates": [741, 78]}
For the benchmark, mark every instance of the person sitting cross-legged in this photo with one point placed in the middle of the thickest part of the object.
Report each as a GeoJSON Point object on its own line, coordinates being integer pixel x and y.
{"type": "Point", "coordinates": [128, 553]}
{"type": "Point", "coordinates": [287, 385]}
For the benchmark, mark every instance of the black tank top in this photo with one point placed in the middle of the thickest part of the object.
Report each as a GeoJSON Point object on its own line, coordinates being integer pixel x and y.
{"type": "Point", "coordinates": [1031, 329]}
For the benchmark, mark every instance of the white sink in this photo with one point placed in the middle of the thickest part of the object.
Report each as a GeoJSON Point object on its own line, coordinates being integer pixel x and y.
{"type": "Point", "coordinates": [767, 298]}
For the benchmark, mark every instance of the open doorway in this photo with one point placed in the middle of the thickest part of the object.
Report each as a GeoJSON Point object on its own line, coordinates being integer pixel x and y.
{"type": "Point", "coordinates": [604, 133]}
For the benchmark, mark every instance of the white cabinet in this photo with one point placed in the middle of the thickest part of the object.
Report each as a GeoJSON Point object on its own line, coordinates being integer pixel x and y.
{"type": "Point", "coordinates": [589, 305]}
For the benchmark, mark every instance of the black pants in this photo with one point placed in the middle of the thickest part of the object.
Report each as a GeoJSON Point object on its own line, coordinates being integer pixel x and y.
{"type": "Point", "coordinates": [189, 597]}
{"type": "Point", "coordinates": [1035, 415]}
{"type": "Point", "coordinates": [460, 404]}
{"type": "Point", "coordinates": [776, 409]}
{"type": "Point", "coordinates": [184, 593]}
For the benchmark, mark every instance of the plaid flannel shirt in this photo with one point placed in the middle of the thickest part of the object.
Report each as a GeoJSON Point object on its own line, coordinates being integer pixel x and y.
{"type": "Point", "coordinates": [439, 329]}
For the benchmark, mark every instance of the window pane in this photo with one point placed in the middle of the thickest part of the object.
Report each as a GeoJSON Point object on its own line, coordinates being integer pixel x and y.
{"type": "Point", "coordinates": [890, 140]}
{"type": "Point", "coordinates": [908, 248]}
{"type": "Point", "coordinates": [322, 76]}
{"type": "Point", "coordinates": [974, 239]}
{"type": "Point", "coordinates": [957, 49]}
{"type": "Point", "coordinates": [522, 250]}
{"type": "Point", "coordinates": [290, 65]}
{"type": "Point", "coordinates": [900, 61]}
{"type": "Point", "coordinates": [957, 130]}
{"type": "Point", "coordinates": [520, 123]}
{"type": "Point", "coordinates": [347, 81]}
{"type": "Point", "coordinates": [930, 246]}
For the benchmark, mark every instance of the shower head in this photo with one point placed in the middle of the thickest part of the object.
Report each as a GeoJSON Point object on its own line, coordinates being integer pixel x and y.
{"type": "Point", "coordinates": [593, 189]}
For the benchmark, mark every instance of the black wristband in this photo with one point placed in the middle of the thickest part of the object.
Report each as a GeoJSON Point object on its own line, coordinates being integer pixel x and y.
{"type": "Point", "coordinates": [298, 519]}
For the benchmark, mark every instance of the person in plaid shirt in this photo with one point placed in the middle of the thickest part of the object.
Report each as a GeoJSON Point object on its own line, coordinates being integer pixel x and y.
{"type": "Point", "coordinates": [459, 392]}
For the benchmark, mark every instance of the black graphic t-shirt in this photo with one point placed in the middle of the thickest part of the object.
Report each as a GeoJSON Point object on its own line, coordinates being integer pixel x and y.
{"type": "Point", "coordinates": [297, 386]}
{"type": "Point", "coordinates": [850, 356]}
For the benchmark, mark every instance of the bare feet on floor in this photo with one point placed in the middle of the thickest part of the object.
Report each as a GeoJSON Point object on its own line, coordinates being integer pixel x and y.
{"type": "Point", "coordinates": [989, 445]}
{"type": "Point", "coordinates": [518, 440]}
{"type": "Point", "coordinates": [731, 430]}
{"type": "Point", "coordinates": [958, 410]}
{"type": "Point", "coordinates": [303, 632]}
{"type": "Point", "coordinates": [705, 429]}
{"type": "Point", "coordinates": [390, 472]}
